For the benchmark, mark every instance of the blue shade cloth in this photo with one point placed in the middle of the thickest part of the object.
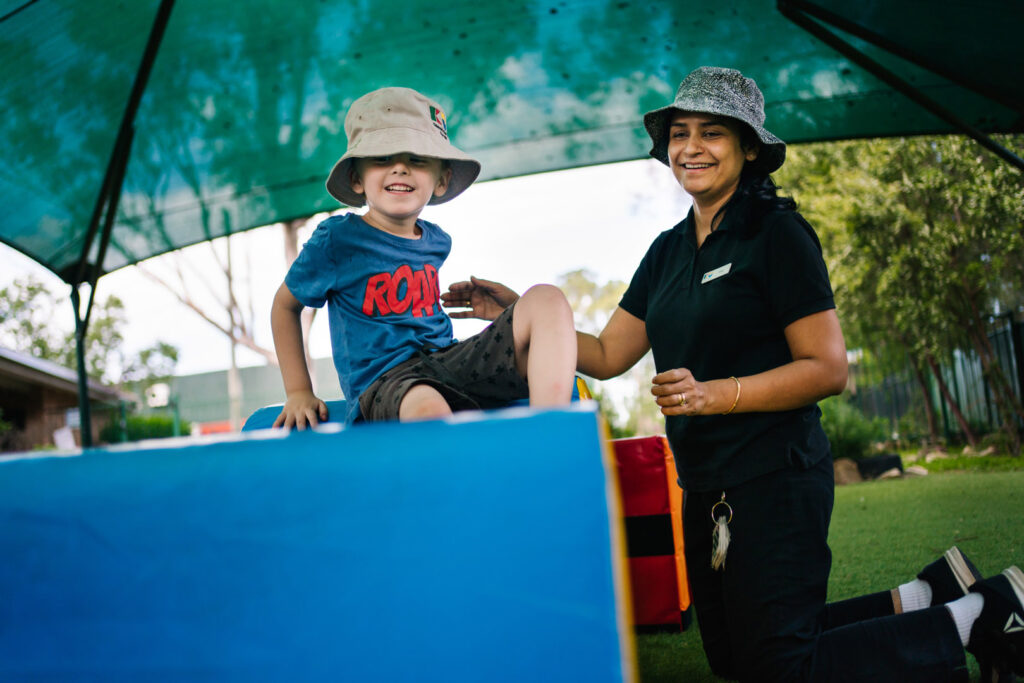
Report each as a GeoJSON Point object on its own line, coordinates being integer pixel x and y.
{"type": "Point", "coordinates": [476, 549]}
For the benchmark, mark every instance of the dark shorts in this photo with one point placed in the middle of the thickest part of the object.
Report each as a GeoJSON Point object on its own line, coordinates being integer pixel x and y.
{"type": "Point", "coordinates": [478, 373]}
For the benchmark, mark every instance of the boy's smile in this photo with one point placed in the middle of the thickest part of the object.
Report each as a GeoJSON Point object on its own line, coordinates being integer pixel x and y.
{"type": "Point", "coordinates": [397, 187]}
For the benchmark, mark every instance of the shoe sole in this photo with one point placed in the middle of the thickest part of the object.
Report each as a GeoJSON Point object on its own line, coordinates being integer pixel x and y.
{"type": "Point", "coordinates": [965, 578]}
{"type": "Point", "coordinates": [1015, 577]}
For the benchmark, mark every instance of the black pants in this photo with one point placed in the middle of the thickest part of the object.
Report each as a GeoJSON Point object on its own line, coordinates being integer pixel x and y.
{"type": "Point", "coordinates": [764, 617]}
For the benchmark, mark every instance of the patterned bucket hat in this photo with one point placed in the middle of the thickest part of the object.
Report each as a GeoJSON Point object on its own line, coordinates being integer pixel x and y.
{"type": "Point", "coordinates": [726, 92]}
{"type": "Point", "coordinates": [395, 121]}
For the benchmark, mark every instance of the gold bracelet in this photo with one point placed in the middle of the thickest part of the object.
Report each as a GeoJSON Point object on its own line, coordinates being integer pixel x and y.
{"type": "Point", "coordinates": [739, 387]}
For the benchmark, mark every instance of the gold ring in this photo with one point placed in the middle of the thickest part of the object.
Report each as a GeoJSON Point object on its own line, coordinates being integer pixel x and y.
{"type": "Point", "coordinates": [682, 399]}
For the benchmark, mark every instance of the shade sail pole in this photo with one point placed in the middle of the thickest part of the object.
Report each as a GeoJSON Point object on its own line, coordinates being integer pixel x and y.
{"type": "Point", "coordinates": [795, 12]}
{"type": "Point", "coordinates": [105, 211]}
{"type": "Point", "coordinates": [84, 409]}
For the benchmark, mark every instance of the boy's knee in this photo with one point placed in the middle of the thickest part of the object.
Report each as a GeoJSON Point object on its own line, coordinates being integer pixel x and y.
{"type": "Point", "coordinates": [548, 297]}
{"type": "Point", "coordinates": [423, 402]}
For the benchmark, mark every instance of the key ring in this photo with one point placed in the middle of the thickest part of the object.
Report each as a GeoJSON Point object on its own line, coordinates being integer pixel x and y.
{"type": "Point", "coordinates": [727, 507]}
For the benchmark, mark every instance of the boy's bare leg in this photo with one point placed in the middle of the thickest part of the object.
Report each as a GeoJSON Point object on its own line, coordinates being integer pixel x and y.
{"type": "Point", "coordinates": [423, 402]}
{"type": "Point", "coordinates": [545, 343]}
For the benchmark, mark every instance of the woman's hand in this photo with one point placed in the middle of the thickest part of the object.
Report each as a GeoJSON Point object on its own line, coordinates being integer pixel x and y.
{"type": "Point", "coordinates": [677, 392]}
{"type": "Point", "coordinates": [485, 299]}
{"type": "Point", "coordinates": [301, 408]}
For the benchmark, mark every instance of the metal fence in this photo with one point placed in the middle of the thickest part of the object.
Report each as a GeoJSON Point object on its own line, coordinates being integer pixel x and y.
{"type": "Point", "coordinates": [890, 390]}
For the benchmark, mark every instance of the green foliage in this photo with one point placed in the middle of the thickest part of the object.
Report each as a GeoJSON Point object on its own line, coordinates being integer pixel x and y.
{"type": "Point", "coordinates": [921, 234]}
{"type": "Point", "coordinates": [849, 431]}
{"type": "Point", "coordinates": [29, 315]}
{"type": "Point", "coordinates": [11, 439]}
{"type": "Point", "coordinates": [152, 365]}
{"type": "Point", "coordinates": [922, 237]}
{"type": "Point", "coordinates": [593, 304]}
{"type": "Point", "coordinates": [966, 463]}
{"type": "Point", "coordinates": [27, 310]}
{"type": "Point", "coordinates": [140, 427]}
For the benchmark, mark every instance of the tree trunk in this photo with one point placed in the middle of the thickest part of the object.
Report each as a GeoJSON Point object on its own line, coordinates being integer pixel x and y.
{"type": "Point", "coordinates": [234, 392]}
{"type": "Point", "coordinates": [1006, 402]}
{"type": "Point", "coordinates": [929, 406]}
{"type": "Point", "coordinates": [969, 434]}
{"type": "Point", "coordinates": [1003, 392]}
{"type": "Point", "coordinates": [234, 378]}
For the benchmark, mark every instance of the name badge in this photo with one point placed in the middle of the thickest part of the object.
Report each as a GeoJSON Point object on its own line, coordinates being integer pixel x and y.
{"type": "Point", "coordinates": [716, 273]}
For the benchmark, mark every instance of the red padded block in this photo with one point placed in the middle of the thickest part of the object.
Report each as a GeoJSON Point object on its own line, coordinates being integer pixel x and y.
{"type": "Point", "coordinates": [642, 476]}
{"type": "Point", "coordinates": [647, 480]}
{"type": "Point", "coordinates": [653, 580]}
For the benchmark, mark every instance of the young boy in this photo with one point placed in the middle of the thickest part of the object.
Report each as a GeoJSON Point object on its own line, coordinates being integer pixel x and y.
{"type": "Point", "coordinates": [392, 341]}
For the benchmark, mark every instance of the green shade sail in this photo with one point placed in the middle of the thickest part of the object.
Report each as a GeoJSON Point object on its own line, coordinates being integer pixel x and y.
{"type": "Point", "coordinates": [241, 117]}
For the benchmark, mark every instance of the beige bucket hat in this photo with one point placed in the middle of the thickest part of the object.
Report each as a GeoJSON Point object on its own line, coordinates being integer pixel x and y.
{"type": "Point", "coordinates": [395, 121]}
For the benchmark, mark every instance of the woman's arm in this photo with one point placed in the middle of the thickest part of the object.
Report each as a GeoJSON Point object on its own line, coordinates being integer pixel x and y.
{"type": "Point", "coordinates": [818, 369]}
{"type": "Point", "coordinates": [622, 343]}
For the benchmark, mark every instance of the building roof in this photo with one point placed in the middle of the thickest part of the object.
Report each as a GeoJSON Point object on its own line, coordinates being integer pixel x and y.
{"type": "Point", "coordinates": [26, 369]}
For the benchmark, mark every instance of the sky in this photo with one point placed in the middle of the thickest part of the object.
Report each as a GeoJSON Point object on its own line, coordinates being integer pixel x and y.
{"type": "Point", "coordinates": [519, 231]}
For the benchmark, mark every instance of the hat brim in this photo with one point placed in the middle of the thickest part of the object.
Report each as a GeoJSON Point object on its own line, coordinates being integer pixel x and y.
{"type": "Point", "coordinates": [769, 159]}
{"type": "Point", "coordinates": [388, 141]}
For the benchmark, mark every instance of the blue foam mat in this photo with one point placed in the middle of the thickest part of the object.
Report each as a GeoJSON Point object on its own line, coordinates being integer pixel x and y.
{"type": "Point", "coordinates": [263, 418]}
{"type": "Point", "coordinates": [479, 548]}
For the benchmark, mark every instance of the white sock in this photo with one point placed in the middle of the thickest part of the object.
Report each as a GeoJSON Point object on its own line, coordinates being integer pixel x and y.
{"type": "Point", "coordinates": [965, 612]}
{"type": "Point", "coordinates": [915, 595]}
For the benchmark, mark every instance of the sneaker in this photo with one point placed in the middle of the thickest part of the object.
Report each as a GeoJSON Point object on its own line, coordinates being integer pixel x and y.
{"type": "Point", "coordinates": [997, 638]}
{"type": "Point", "coordinates": [950, 576]}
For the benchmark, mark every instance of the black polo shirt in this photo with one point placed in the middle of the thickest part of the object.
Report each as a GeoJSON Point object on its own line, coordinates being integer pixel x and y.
{"type": "Point", "coordinates": [720, 311]}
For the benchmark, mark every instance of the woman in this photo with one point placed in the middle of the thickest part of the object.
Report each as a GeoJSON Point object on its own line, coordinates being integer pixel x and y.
{"type": "Point", "coordinates": [735, 303]}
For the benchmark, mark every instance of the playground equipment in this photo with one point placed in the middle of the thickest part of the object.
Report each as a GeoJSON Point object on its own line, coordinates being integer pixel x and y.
{"type": "Point", "coordinates": [484, 547]}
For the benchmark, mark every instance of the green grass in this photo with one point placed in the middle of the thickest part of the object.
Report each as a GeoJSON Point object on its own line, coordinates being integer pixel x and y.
{"type": "Point", "coordinates": [882, 534]}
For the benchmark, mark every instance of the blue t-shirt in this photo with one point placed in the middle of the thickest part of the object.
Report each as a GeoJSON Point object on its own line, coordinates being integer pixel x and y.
{"type": "Point", "coordinates": [383, 295]}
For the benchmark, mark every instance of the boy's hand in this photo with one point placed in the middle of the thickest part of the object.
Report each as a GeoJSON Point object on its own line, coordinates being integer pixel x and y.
{"type": "Point", "coordinates": [301, 408]}
{"type": "Point", "coordinates": [486, 299]}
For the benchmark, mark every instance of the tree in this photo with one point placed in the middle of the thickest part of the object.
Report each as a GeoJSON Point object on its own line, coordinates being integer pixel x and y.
{"type": "Point", "coordinates": [29, 312]}
{"type": "Point", "coordinates": [592, 305]}
{"type": "Point", "coordinates": [924, 239]}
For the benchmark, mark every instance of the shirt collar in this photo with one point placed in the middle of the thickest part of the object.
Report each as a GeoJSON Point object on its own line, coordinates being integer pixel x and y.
{"type": "Point", "coordinates": [733, 218]}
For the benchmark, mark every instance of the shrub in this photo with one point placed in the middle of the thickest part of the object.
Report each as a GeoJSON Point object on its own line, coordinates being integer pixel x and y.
{"type": "Point", "coordinates": [142, 427]}
{"type": "Point", "coordinates": [848, 430]}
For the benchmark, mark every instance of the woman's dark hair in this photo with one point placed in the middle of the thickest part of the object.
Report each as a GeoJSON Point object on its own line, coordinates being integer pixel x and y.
{"type": "Point", "coordinates": [757, 193]}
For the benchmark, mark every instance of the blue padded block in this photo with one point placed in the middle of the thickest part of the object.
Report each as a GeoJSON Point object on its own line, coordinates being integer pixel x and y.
{"type": "Point", "coordinates": [485, 547]}
{"type": "Point", "coordinates": [263, 418]}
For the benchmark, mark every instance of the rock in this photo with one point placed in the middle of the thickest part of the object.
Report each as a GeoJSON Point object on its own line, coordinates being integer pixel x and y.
{"type": "Point", "coordinates": [915, 471]}
{"type": "Point", "coordinates": [894, 473]}
{"type": "Point", "coordinates": [936, 455]}
{"type": "Point", "coordinates": [846, 471]}
{"type": "Point", "coordinates": [873, 467]}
